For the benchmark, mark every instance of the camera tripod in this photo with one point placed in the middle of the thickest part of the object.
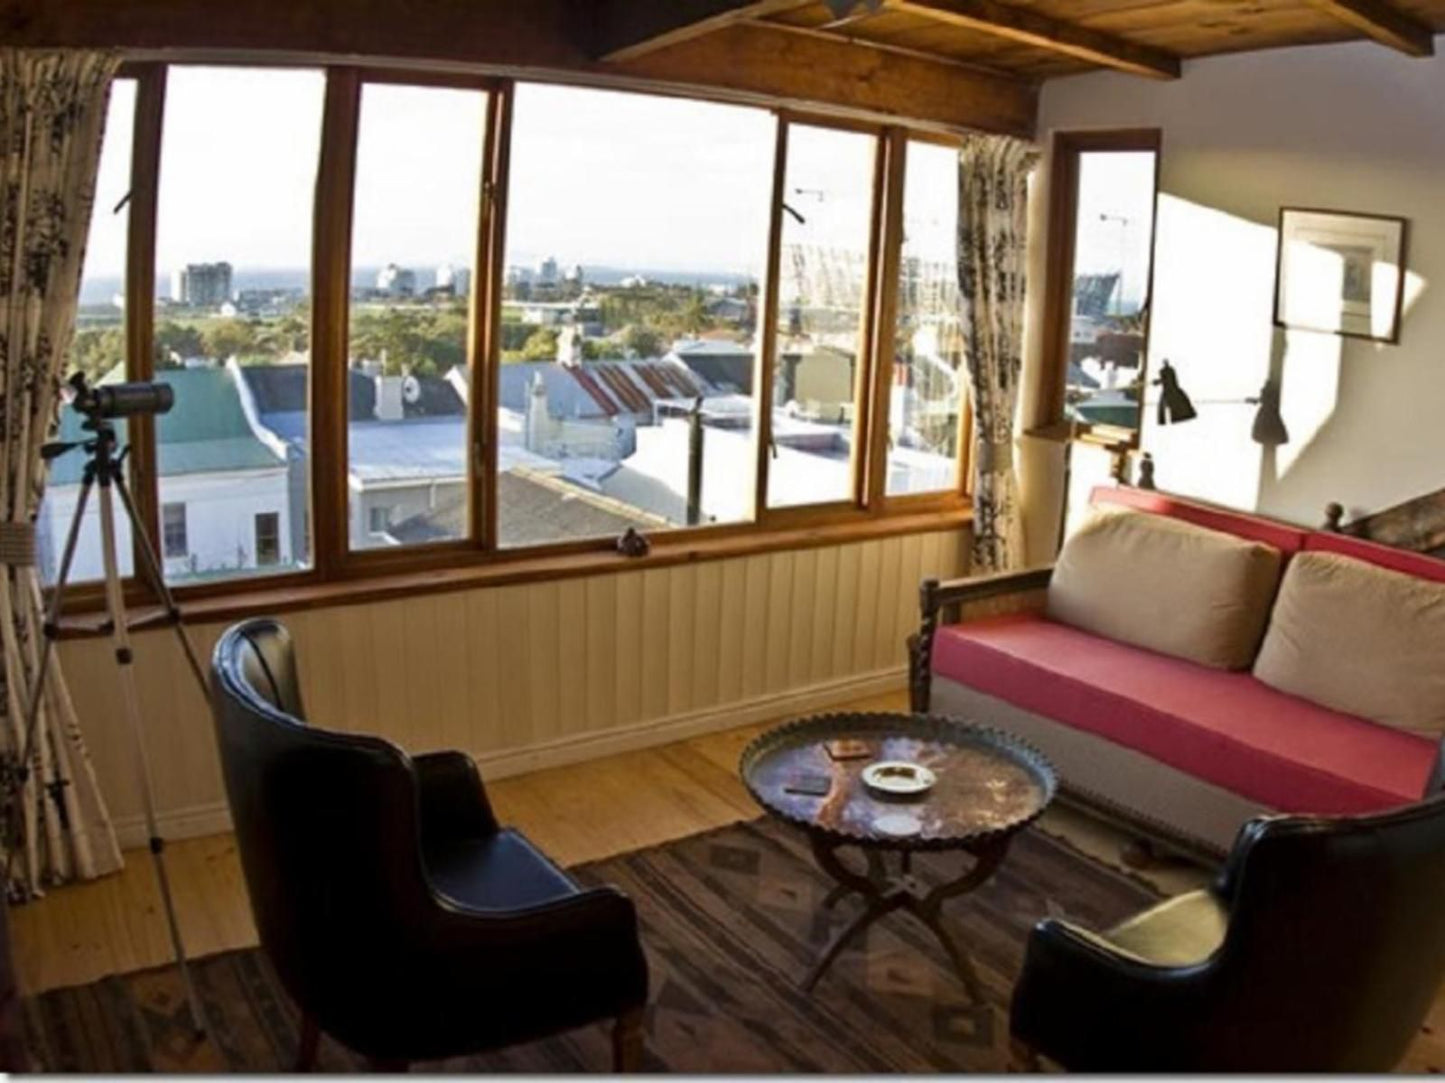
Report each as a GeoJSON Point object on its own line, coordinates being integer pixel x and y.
{"type": "Point", "coordinates": [106, 469]}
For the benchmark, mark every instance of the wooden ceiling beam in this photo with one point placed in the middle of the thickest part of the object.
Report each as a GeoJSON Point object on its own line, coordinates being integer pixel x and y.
{"type": "Point", "coordinates": [1042, 32]}
{"type": "Point", "coordinates": [628, 29]}
{"type": "Point", "coordinates": [793, 69]}
{"type": "Point", "coordinates": [537, 39]}
{"type": "Point", "coordinates": [1386, 24]}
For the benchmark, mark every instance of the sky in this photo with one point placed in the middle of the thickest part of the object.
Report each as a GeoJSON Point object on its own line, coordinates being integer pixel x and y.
{"type": "Point", "coordinates": [598, 177]}
{"type": "Point", "coordinates": [1116, 203]}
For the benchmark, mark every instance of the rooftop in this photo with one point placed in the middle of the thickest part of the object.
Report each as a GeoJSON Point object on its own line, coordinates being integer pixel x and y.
{"type": "Point", "coordinates": [207, 431]}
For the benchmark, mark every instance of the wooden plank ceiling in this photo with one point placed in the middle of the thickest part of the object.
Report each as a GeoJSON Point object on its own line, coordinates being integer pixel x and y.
{"type": "Point", "coordinates": [1034, 40]}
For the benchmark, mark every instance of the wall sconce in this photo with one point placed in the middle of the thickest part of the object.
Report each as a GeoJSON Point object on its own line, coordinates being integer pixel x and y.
{"type": "Point", "coordinates": [1268, 430]}
{"type": "Point", "coordinates": [1174, 404]}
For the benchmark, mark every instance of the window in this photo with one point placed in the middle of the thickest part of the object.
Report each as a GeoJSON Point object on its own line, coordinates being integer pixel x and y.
{"type": "Point", "coordinates": [239, 151]}
{"type": "Point", "coordinates": [822, 295]}
{"type": "Point", "coordinates": [414, 240]}
{"type": "Point", "coordinates": [929, 379]}
{"type": "Point", "coordinates": [1099, 284]}
{"type": "Point", "coordinates": [173, 530]}
{"type": "Point", "coordinates": [268, 538]}
{"type": "Point", "coordinates": [636, 240]}
{"type": "Point", "coordinates": [552, 314]}
{"type": "Point", "coordinates": [98, 350]}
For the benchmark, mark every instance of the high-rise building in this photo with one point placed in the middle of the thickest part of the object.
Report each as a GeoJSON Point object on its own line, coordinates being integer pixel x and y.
{"type": "Point", "coordinates": [396, 281]}
{"type": "Point", "coordinates": [454, 280]}
{"type": "Point", "coordinates": [201, 285]}
{"type": "Point", "coordinates": [547, 272]}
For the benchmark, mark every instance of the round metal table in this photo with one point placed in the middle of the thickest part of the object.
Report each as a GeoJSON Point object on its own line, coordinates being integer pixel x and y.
{"type": "Point", "coordinates": [989, 786]}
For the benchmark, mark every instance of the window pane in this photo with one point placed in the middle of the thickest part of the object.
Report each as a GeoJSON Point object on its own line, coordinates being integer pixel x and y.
{"type": "Point", "coordinates": [636, 238]}
{"type": "Point", "coordinates": [822, 280]}
{"type": "Point", "coordinates": [233, 266]}
{"type": "Point", "coordinates": [414, 238]}
{"type": "Point", "coordinates": [929, 378]}
{"type": "Point", "coordinates": [98, 350]}
{"type": "Point", "coordinates": [1114, 232]}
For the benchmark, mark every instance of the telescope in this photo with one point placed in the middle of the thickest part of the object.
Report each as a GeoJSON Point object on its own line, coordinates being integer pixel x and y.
{"type": "Point", "coordinates": [121, 400]}
{"type": "Point", "coordinates": [105, 470]}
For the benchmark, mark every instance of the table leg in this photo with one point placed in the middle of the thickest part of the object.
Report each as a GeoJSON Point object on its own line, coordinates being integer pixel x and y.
{"type": "Point", "coordinates": [929, 911]}
{"type": "Point", "coordinates": [877, 873]}
{"type": "Point", "coordinates": [877, 908]}
{"type": "Point", "coordinates": [883, 894]}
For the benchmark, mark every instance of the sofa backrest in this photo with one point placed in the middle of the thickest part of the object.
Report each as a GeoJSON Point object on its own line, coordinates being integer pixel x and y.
{"type": "Point", "coordinates": [1383, 556]}
{"type": "Point", "coordinates": [1287, 539]}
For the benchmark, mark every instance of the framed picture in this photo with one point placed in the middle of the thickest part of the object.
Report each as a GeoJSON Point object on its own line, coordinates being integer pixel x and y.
{"type": "Point", "coordinates": [1341, 273]}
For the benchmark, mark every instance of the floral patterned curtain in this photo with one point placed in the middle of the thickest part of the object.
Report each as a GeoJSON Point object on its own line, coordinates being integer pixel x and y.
{"type": "Point", "coordinates": [52, 116]}
{"type": "Point", "coordinates": [993, 172]}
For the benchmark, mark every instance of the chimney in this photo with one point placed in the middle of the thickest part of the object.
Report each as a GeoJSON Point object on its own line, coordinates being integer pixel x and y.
{"type": "Point", "coordinates": [388, 398]}
{"type": "Point", "coordinates": [538, 419]}
{"type": "Point", "coordinates": [569, 346]}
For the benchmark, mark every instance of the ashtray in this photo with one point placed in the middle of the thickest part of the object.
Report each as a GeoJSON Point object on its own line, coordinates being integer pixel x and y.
{"type": "Point", "coordinates": [898, 778]}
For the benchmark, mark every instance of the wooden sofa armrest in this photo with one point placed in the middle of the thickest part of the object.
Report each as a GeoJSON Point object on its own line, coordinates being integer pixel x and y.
{"type": "Point", "coordinates": [960, 599]}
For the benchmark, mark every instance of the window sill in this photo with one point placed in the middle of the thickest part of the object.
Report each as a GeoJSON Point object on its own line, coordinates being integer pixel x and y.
{"type": "Point", "coordinates": [502, 570]}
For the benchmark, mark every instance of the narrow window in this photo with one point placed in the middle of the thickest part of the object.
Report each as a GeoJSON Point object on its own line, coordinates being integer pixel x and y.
{"type": "Point", "coordinates": [173, 530]}
{"type": "Point", "coordinates": [929, 377]}
{"type": "Point", "coordinates": [98, 351]}
{"type": "Point", "coordinates": [239, 151]}
{"type": "Point", "coordinates": [379, 523]}
{"type": "Point", "coordinates": [822, 296]}
{"type": "Point", "coordinates": [413, 245]}
{"type": "Point", "coordinates": [268, 538]}
{"type": "Point", "coordinates": [1100, 278]}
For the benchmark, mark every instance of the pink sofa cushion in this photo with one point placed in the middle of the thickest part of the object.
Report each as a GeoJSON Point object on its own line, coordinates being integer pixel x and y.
{"type": "Point", "coordinates": [1383, 556]}
{"type": "Point", "coordinates": [1287, 539]}
{"type": "Point", "coordinates": [1225, 728]}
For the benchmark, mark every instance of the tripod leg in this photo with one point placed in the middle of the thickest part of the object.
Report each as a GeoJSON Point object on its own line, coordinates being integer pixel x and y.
{"type": "Point", "coordinates": [130, 698]}
{"type": "Point", "coordinates": [50, 629]}
{"type": "Point", "coordinates": [152, 565]}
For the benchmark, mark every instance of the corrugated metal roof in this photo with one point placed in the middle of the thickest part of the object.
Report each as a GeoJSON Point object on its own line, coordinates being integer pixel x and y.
{"type": "Point", "coordinates": [416, 448]}
{"type": "Point", "coordinates": [597, 389]}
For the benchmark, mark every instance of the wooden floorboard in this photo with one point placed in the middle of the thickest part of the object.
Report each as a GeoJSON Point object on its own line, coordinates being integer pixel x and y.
{"type": "Point", "coordinates": [582, 812]}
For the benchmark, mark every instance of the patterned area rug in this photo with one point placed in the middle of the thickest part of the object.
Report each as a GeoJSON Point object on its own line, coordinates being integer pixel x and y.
{"type": "Point", "coordinates": [731, 921]}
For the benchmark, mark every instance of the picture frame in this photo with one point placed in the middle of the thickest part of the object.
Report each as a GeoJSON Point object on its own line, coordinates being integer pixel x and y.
{"type": "Point", "coordinates": [1340, 272]}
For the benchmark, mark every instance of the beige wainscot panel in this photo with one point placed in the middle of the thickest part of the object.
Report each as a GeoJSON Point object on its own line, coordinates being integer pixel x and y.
{"type": "Point", "coordinates": [539, 674]}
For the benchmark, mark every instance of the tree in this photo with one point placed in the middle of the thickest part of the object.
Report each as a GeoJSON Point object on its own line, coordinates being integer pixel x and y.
{"type": "Point", "coordinates": [96, 350]}
{"type": "Point", "coordinates": [541, 345]}
{"type": "Point", "coordinates": [227, 338]}
{"type": "Point", "coordinates": [601, 349]}
{"type": "Point", "coordinates": [174, 342]}
{"type": "Point", "coordinates": [694, 317]}
{"type": "Point", "coordinates": [642, 340]}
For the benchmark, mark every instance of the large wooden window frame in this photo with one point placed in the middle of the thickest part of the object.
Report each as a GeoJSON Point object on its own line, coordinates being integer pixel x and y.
{"type": "Point", "coordinates": [339, 571]}
{"type": "Point", "coordinates": [1063, 213]}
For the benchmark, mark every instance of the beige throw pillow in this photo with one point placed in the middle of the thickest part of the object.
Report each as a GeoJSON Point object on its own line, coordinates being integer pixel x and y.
{"type": "Point", "coordinates": [1359, 639]}
{"type": "Point", "coordinates": [1166, 585]}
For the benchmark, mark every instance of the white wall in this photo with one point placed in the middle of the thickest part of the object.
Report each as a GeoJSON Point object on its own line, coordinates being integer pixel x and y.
{"type": "Point", "coordinates": [221, 510]}
{"type": "Point", "coordinates": [1347, 127]}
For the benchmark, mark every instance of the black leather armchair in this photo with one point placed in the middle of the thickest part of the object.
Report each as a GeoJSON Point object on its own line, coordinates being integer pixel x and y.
{"type": "Point", "coordinates": [400, 917]}
{"type": "Point", "coordinates": [1319, 948]}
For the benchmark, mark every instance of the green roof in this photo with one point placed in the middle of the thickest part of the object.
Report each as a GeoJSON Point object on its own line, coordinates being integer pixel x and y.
{"type": "Point", "coordinates": [205, 432]}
